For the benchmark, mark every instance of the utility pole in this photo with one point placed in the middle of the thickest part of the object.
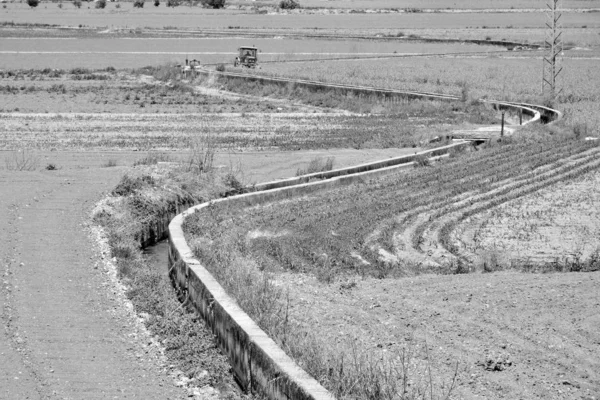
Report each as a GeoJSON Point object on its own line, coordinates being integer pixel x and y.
{"type": "Point", "coordinates": [553, 48]}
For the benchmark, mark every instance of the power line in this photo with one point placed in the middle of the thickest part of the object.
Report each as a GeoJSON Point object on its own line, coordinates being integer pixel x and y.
{"type": "Point", "coordinates": [553, 48]}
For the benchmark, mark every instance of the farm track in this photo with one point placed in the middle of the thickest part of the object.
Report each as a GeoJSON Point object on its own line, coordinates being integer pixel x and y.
{"type": "Point", "coordinates": [65, 333]}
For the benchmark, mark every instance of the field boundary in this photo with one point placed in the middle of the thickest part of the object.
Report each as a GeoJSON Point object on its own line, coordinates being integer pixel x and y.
{"type": "Point", "coordinates": [259, 364]}
{"type": "Point", "coordinates": [535, 112]}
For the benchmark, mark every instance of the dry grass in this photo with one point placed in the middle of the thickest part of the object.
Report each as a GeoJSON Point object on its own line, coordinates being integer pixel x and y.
{"type": "Point", "coordinates": [317, 164]}
{"type": "Point", "coordinates": [22, 160]}
{"type": "Point", "coordinates": [348, 371]}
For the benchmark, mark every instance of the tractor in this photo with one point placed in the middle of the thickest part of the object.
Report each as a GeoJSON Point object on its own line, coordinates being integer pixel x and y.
{"type": "Point", "coordinates": [248, 57]}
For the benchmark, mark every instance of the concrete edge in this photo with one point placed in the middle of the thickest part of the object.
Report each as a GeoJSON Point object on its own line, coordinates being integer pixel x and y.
{"type": "Point", "coordinates": [258, 363]}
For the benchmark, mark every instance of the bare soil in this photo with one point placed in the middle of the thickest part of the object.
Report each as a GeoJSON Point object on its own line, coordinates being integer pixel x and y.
{"type": "Point", "coordinates": [66, 334]}
{"type": "Point", "coordinates": [68, 330]}
{"type": "Point", "coordinates": [559, 223]}
{"type": "Point", "coordinates": [513, 335]}
{"type": "Point", "coordinates": [102, 92]}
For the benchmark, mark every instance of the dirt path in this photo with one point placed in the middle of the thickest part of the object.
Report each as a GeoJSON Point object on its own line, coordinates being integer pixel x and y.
{"type": "Point", "coordinates": [63, 336]}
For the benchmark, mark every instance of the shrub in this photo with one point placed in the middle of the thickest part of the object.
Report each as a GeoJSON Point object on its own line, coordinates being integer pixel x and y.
{"type": "Point", "coordinates": [118, 5]}
{"type": "Point", "coordinates": [464, 92]}
{"type": "Point", "coordinates": [33, 3]}
{"type": "Point", "coordinates": [202, 153]}
{"type": "Point", "coordinates": [156, 3]}
{"type": "Point", "coordinates": [22, 160]}
{"type": "Point", "coordinates": [317, 164]}
{"type": "Point", "coordinates": [172, 3]}
{"type": "Point", "coordinates": [100, 4]}
{"type": "Point", "coordinates": [289, 4]}
{"type": "Point", "coordinates": [110, 163]}
{"type": "Point", "coordinates": [138, 3]}
{"type": "Point", "coordinates": [153, 158]}
{"type": "Point", "coordinates": [59, 5]}
{"type": "Point", "coordinates": [129, 184]}
{"type": "Point", "coordinates": [220, 67]}
{"type": "Point", "coordinates": [79, 71]}
{"type": "Point", "coordinates": [422, 161]}
{"type": "Point", "coordinates": [213, 3]}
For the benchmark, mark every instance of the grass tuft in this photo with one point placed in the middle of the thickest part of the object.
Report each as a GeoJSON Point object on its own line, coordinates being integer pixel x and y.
{"type": "Point", "coordinates": [317, 164]}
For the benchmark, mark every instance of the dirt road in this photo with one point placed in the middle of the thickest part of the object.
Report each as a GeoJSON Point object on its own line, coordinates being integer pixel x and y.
{"type": "Point", "coordinates": [65, 336]}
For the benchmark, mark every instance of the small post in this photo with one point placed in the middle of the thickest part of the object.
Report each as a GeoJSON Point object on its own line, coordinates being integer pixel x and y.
{"type": "Point", "coordinates": [520, 116]}
{"type": "Point", "coordinates": [502, 128]}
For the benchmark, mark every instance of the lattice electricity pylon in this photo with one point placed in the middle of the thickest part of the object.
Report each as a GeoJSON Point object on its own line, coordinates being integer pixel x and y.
{"type": "Point", "coordinates": [553, 48]}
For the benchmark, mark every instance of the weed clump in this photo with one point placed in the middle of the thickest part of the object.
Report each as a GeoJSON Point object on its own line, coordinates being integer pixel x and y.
{"type": "Point", "coordinates": [100, 4]}
{"type": "Point", "coordinates": [153, 158]}
{"type": "Point", "coordinates": [110, 163]}
{"type": "Point", "coordinates": [289, 4]}
{"type": "Point", "coordinates": [213, 3]}
{"type": "Point", "coordinates": [33, 3]}
{"type": "Point", "coordinates": [130, 219]}
{"type": "Point", "coordinates": [130, 185]}
{"type": "Point", "coordinates": [317, 164]}
{"type": "Point", "coordinates": [138, 4]}
{"type": "Point", "coordinates": [22, 160]}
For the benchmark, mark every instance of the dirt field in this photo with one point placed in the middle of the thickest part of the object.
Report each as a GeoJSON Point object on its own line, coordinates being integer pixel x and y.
{"type": "Point", "coordinates": [513, 335]}
{"type": "Point", "coordinates": [67, 333]}
{"type": "Point", "coordinates": [131, 51]}
{"type": "Point", "coordinates": [197, 18]}
{"type": "Point", "coordinates": [71, 333]}
{"type": "Point", "coordinates": [557, 224]}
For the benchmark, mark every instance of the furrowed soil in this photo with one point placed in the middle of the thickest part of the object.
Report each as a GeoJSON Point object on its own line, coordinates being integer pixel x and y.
{"type": "Point", "coordinates": [556, 224]}
{"type": "Point", "coordinates": [69, 331]}
{"type": "Point", "coordinates": [505, 334]}
{"type": "Point", "coordinates": [513, 335]}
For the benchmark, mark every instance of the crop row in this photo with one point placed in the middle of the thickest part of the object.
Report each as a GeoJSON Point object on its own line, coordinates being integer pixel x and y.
{"type": "Point", "coordinates": [379, 228]}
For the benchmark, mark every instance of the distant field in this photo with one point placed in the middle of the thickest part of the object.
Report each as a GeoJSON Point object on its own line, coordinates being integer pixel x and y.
{"type": "Point", "coordinates": [351, 255]}
{"type": "Point", "coordinates": [130, 52]}
{"type": "Point", "coordinates": [499, 78]}
{"type": "Point", "coordinates": [185, 17]}
{"type": "Point", "coordinates": [443, 4]}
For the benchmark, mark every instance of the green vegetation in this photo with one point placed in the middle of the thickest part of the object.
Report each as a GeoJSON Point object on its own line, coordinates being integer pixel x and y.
{"type": "Point", "coordinates": [213, 3]}
{"type": "Point", "coordinates": [334, 237]}
{"type": "Point", "coordinates": [129, 217]}
{"type": "Point", "coordinates": [334, 227]}
{"type": "Point", "coordinates": [289, 4]}
{"type": "Point", "coordinates": [438, 110]}
{"type": "Point", "coordinates": [496, 78]}
{"type": "Point", "coordinates": [22, 160]}
{"type": "Point", "coordinates": [317, 164]}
